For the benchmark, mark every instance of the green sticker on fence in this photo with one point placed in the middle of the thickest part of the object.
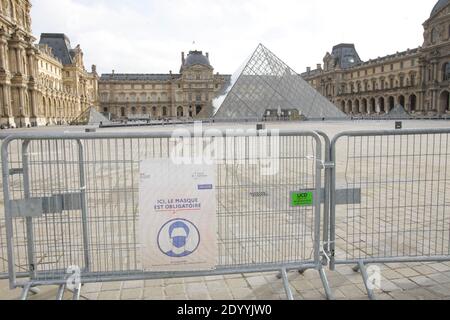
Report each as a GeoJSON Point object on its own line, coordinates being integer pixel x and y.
{"type": "Point", "coordinates": [302, 199]}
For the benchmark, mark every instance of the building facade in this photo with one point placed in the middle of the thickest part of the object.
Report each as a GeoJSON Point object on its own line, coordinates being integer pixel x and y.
{"type": "Point", "coordinates": [65, 88]}
{"type": "Point", "coordinates": [40, 84]}
{"type": "Point", "coordinates": [188, 94]}
{"type": "Point", "coordinates": [417, 79]}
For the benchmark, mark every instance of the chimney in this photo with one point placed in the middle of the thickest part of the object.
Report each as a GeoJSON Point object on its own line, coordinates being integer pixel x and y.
{"type": "Point", "coordinates": [207, 55]}
{"type": "Point", "coordinates": [113, 72]}
{"type": "Point", "coordinates": [308, 69]}
{"type": "Point", "coordinates": [182, 58]}
{"type": "Point", "coordinates": [319, 66]}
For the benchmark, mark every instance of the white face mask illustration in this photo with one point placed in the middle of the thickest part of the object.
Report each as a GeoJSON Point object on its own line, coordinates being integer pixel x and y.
{"type": "Point", "coordinates": [179, 238]}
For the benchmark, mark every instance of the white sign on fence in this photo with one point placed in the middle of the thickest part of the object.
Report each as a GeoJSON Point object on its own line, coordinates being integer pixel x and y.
{"type": "Point", "coordinates": [178, 219]}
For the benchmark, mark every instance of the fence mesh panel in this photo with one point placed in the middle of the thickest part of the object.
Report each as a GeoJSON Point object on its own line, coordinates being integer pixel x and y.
{"type": "Point", "coordinates": [405, 208]}
{"type": "Point", "coordinates": [257, 224]}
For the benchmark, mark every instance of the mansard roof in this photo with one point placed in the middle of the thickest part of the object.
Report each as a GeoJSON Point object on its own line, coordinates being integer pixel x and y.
{"type": "Point", "coordinates": [196, 58]}
{"type": "Point", "coordinates": [60, 45]}
{"type": "Point", "coordinates": [441, 4]}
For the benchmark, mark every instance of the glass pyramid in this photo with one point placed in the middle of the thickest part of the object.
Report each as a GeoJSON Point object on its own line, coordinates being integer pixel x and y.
{"type": "Point", "coordinates": [90, 117]}
{"type": "Point", "coordinates": [266, 86]}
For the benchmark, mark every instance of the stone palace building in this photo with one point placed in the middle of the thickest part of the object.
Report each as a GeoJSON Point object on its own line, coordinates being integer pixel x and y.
{"type": "Point", "coordinates": [40, 84]}
{"type": "Point", "coordinates": [417, 79]}
{"type": "Point", "coordinates": [47, 83]}
{"type": "Point", "coordinates": [188, 94]}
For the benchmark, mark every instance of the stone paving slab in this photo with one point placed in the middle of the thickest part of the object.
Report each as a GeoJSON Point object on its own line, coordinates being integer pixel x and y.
{"type": "Point", "coordinates": [425, 282]}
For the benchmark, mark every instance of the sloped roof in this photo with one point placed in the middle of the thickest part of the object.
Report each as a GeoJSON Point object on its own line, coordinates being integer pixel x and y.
{"type": "Point", "coordinates": [196, 58]}
{"type": "Point", "coordinates": [439, 6]}
{"type": "Point", "coordinates": [60, 45]}
{"type": "Point", "coordinates": [346, 55]}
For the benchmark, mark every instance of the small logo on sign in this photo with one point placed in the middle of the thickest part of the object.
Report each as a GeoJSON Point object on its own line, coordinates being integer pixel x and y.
{"type": "Point", "coordinates": [302, 199]}
{"type": "Point", "coordinates": [205, 187]}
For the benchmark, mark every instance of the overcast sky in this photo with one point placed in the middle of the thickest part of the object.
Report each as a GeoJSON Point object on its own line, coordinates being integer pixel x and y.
{"type": "Point", "coordinates": [148, 36]}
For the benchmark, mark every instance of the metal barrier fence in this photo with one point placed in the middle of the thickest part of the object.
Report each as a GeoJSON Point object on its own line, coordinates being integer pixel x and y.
{"type": "Point", "coordinates": [384, 196]}
{"type": "Point", "coordinates": [73, 200]}
{"type": "Point", "coordinates": [402, 213]}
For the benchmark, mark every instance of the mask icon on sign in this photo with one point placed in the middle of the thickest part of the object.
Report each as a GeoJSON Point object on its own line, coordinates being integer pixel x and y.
{"type": "Point", "coordinates": [179, 236]}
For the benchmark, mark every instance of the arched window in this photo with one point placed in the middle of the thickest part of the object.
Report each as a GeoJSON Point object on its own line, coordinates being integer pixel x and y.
{"type": "Point", "coordinates": [413, 102]}
{"type": "Point", "coordinates": [401, 101]}
{"type": "Point", "coordinates": [122, 112]}
{"type": "Point", "coordinates": [164, 112]}
{"type": "Point", "coordinates": [434, 35]}
{"type": "Point", "coordinates": [133, 110]}
{"type": "Point", "coordinates": [446, 71]}
{"type": "Point", "coordinates": [413, 80]}
{"type": "Point", "coordinates": [444, 102]}
{"type": "Point", "coordinates": [180, 112]}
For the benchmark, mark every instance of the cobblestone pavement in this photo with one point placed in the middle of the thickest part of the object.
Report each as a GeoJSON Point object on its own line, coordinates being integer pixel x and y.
{"type": "Point", "coordinates": [409, 281]}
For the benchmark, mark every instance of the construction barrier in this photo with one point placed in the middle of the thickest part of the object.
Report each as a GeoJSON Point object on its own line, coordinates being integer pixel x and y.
{"type": "Point", "coordinates": [72, 201]}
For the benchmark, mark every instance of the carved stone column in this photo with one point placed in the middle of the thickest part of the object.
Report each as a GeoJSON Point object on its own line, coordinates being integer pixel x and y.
{"type": "Point", "coordinates": [4, 65]}
{"type": "Point", "coordinates": [3, 54]}
{"type": "Point", "coordinates": [31, 57]}
{"type": "Point", "coordinates": [21, 104]}
{"type": "Point", "coordinates": [7, 106]}
{"type": "Point", "coordinates": [33, 106]}
{"type": "Point", "coordinates": [18, 60]}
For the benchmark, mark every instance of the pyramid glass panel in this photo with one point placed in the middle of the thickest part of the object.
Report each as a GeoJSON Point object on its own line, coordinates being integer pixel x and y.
{"type": "Point", "coordinates": [266, 85]}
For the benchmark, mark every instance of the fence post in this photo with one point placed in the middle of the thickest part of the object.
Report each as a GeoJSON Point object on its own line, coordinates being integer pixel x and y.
{"type": "Point", "coordinates": [332, 190]}
{"type": "Point", "coordinates": [29, 220]}
{"type": "Point", "coordinates": [8, 216]}
{"type": "Point", "coordinates": [327, 166]}
{"type": "Point", "coordinates": [84, 214]}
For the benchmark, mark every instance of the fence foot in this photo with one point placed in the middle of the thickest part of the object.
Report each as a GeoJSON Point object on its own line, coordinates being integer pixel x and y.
{"type": "Point", "coordinates": [356, 268]}
{"type": "Point", "coordinates": [365, 277]}
{"type": "Point", "coordinates": [77, 293]}
{"type": "Point", "coordinates": [326, 285]}
{"type": "Point", "coordinates": [60, 294]}
{"type": "Point", "coordinates": [25, 292]}
{"type": "Point", "coordinates": [35, 291]}
{"type": "Point", "coordinates": [287, 287]}
{"type": "Point", "coordinates": [303, 270]}
{"type": "Point", "coordinates": [300, 271]}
